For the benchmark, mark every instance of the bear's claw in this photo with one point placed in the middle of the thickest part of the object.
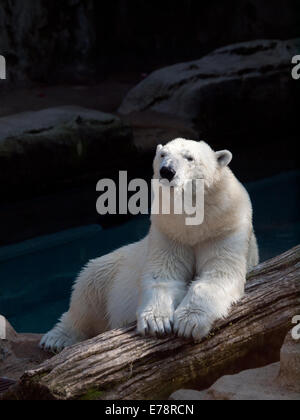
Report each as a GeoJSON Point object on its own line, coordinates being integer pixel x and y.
{"type": "Point", "coordinates": [191, 324]}
{"type": "Point", "coordinates": [55, 342]}
{"type": "Point", "coordinates": [154, 326]}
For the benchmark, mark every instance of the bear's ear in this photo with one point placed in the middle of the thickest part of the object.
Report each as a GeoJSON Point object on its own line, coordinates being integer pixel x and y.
{"type": "Point", "coordinates": [159, 148]}
{"type": "Point", "coordinates": [224, 157]}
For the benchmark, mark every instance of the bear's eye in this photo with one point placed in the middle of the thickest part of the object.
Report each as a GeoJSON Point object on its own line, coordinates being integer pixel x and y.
{"type": "Point", "coordinates": [163, 155]}
{"type": "Point", "coordinates": [189, 158]}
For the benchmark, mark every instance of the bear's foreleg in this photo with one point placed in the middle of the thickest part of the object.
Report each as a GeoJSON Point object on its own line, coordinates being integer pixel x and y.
{"type": "Point", "coordinates": [221, 268]}
{"type": "Point", "coordinates": [168, 269]}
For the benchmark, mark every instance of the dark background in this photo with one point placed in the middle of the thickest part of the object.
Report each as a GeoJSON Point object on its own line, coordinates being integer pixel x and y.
{"type": "Point", "coordinates": [92, 53]}
{"type": "Point", "coordinates": [71, 40]}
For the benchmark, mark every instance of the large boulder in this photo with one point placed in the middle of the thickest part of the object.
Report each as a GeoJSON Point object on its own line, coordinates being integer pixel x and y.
{"type": "Point", "coordinates": [240, 91]}
{"type": "Point", "coordinates": [152, 128]}
{"type": "Point", "coordinates": [289, 376]}
{"type": "Point", "coordinates": [279, 381]}
{"type": "Point", "coordinates": [57, 147]}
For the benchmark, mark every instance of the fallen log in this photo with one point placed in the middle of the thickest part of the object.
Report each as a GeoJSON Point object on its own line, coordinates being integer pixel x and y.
{"type": "Point", "coordinates": [121, 365]}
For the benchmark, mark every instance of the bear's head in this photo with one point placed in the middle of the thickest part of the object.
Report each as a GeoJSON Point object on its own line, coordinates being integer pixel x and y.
{"type": "Point", "coordinates": [185, 160]}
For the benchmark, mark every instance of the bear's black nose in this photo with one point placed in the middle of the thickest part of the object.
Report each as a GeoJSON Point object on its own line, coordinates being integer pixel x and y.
{"type": "Point", "coordinates": [168, 173]}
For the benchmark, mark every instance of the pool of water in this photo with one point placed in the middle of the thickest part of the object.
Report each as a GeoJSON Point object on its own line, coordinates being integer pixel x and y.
{"type": "Point", "coordinates": [36, 276]}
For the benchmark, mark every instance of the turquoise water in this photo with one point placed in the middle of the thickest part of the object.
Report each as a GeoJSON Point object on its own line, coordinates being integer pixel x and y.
{"type": "Point", "coordinates": [36, 276]}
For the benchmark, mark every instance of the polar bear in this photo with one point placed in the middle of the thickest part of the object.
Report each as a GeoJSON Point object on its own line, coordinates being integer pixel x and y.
{"type": "Point", "coordinates": [179, 279]}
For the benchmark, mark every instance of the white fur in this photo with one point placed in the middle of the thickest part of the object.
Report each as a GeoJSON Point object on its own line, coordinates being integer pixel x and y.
{"type": "Point", "coordinates": [179, 278]}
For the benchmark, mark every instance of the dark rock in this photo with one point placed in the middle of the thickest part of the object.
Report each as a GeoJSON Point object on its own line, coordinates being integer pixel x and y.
{"type": "Point", "coordinates": [229, 92]}
{"type": "Point", "coordinates": [152, 128]}
{"type": "Point", "coordinates": [240, 97]}
{"type": "Point", "coordinates": [54, 40]}
{"type": "Point", "coordinates": [37, 36]}
{"type": "Point", "coordinates": [5, 384]}
{"type": "Point", "coordinates": [57, 147]}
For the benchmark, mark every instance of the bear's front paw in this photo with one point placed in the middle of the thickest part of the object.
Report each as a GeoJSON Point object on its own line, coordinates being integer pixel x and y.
{"type": "Point", "coordinates": [191, 323]}
{"type": "Point", "coordinates": [154, 323]}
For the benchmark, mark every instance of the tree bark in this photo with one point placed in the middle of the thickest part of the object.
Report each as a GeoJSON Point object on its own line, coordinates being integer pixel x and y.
{"type": "Point", "coordinates": [121, 365]}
